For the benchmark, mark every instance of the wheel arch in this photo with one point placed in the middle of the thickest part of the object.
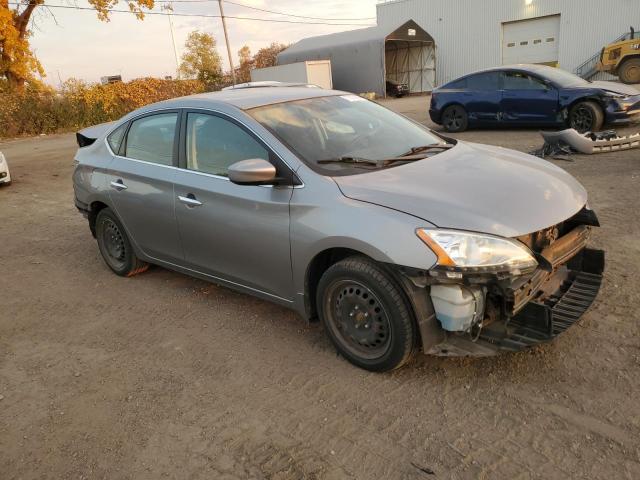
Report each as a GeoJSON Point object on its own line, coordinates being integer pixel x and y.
{"type": "Point", "coordinates": [594, 98]}
{"type": "Point", "coordinates": [453, 103]}
{"type": "Point", "coordinates": [316, 268]}
{"type": "Point", "coordinates": [625, 59]}
{"type": "Point", "coordinates": [95, 208]}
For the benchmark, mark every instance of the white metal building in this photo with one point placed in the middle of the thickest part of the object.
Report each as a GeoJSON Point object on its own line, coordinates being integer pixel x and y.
{"type": "Point", "coordinates": [473, 34]}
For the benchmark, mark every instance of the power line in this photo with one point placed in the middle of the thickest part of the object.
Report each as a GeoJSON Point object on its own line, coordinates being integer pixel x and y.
{"type": "Point", "coordinates": [267, 11]}
{"type": "Point", "coordinates": [273, 20]}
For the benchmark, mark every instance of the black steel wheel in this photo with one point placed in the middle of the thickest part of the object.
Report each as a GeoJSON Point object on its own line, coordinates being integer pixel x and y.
{"type": "Point", "coordinates": [586, 117]}
{"type": "Point", "coordinates": [366, 315]}
{"type": "Point", "coordinates": [455, 119]}
{"type": "Point", "coordinates": [115, 247]}
{"type": "Point", "coordinates": [358, 318]}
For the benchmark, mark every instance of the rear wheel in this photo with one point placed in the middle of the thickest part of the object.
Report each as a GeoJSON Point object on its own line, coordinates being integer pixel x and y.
{"type": "Point", "coordinates": [586, 117]}
{"type": "Point", "coordinates": [115, 246]}
{"type": "Point", "coordinates": [455, 119]}
{"type": "Point", "coordinates": [366, 315]}
{"type": "Point", "coordinates": [629, 71]}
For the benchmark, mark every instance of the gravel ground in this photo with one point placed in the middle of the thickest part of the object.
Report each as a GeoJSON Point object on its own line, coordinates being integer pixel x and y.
{"type": "Point", "coordinates": [164, 376]}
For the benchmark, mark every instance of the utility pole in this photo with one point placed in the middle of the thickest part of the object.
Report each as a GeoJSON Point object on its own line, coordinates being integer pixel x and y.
{"type": "Point", "coordinates": [169, 7]}
{"type": "Point", "coordinates": [226, 39]}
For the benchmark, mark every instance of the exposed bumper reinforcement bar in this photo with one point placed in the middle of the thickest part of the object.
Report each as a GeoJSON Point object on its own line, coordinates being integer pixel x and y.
{"type": "Point", "coordinates": [538, 321]}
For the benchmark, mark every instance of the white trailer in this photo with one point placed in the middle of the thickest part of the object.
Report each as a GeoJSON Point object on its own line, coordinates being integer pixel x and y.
{"type": "Point", "coordinates": [316, 72]}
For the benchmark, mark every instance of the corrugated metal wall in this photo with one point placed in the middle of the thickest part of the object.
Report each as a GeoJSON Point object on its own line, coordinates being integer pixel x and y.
{"type": "Point", "coordinates": [468, 33]}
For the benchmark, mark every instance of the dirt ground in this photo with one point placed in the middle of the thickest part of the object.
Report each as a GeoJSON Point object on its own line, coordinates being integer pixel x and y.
{"type": "Point", "coordinates": [164, 376]}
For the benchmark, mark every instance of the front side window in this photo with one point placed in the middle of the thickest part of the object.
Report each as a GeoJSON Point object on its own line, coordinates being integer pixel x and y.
{"type": "Point", "coordinates": [341, 126]}
{"type": "Point", "coordinates": [214, 144]}
{"type": "Point", "coordinates": [522, 81]}
{"type": "Point", "coordinates": [151, 138]}
{"type": "Point", "coordinates": [115, 138]}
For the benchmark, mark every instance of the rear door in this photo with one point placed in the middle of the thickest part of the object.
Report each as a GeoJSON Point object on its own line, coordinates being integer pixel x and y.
{"type": "Point", "coordinates": [482, 97]}
{"type": "Point", "coordinates": [237, 233]}
{"type": "Point", "coordinates": [141, 186]}
{"type": "Point", "coordinates": [527, 99]}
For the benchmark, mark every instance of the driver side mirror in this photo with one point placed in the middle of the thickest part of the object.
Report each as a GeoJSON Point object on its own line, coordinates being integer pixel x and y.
{"type": "Point", "coordinates": [255, 171]}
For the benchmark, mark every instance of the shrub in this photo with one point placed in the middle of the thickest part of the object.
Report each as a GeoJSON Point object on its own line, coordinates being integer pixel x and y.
{"type": "Point", "coordinates": [77, 104]}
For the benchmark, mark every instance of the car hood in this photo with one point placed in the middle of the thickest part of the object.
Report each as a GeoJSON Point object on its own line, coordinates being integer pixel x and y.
{"type": "Point", "coordinates": [474, 187]}
{"type": "Point", "coordinates": [614, 87]}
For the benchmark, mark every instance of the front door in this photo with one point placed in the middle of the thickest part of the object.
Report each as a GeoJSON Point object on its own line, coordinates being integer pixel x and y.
{"type": "Point", "coordinates": [528, 100]}
{"type": "Point", "coordinates": [237, 233]}
{"type": "Point", "coordinates": [141, 186]}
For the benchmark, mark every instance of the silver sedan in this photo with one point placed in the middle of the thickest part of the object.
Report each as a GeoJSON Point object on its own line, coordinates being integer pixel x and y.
{"type": "Point", "coordinates": [396, 238]}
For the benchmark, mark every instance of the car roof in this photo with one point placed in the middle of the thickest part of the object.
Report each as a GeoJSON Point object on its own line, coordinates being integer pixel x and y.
{"type": "Point", "coordinates": [524, 67]}
{"type": "Point", "coordinates": [246, 98]}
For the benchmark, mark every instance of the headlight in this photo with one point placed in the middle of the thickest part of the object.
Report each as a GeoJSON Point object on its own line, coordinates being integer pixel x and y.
{"type": "Point", "coordinates": [477, 252]}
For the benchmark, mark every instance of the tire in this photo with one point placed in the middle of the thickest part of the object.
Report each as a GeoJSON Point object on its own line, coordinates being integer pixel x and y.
{"type": "Point", "coordinates": [366, 315]}
{"type": "Point", "coordinates": [629, 71]}
{"type": "Point", "coordinates": [586, 117]}
{"type": "Point", "coordinates": [455, 119]}
{"type": "Point", "coordinates": [115, 246]}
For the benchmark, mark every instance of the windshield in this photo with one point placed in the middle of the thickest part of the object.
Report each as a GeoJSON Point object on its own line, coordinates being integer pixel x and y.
{"type": "Point", "coordinates": [339, 127]}
{"type": "Point", "coordinates": [563, 78]}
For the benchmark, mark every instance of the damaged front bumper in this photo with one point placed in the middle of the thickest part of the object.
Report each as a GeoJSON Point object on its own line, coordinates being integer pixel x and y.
{"type": "Point", "coordinates": [553, 304]}
{"type": "Point", "coordinates": [524, 311]}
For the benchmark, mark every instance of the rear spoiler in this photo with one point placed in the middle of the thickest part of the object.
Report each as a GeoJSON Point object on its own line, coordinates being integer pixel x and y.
{"type": "Point", "coordinates": [89, 135]}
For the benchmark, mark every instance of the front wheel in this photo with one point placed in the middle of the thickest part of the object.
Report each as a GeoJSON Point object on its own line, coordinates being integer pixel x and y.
{"type": "Point", "coordinates": [366, 315]}
{"type": "Point", "coordinates": [586, 117]}
{"type": "Point", "coordinates": [455, 119]}
{"type": "Point", "coordinates": [115, 246]}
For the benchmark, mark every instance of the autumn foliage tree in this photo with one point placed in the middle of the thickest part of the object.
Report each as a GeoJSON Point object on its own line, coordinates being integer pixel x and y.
{"type": "Point", "coordinates": [267, 56]}
{"type": "Point", "coordinates": [201, 60]}
{"type": "Point", "coordinates": [243, 72]}
{"type": "Point", "coordinates": [18, 65]}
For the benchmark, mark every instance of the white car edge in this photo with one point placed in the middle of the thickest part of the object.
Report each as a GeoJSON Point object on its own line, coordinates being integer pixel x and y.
{"type": "Point", "coordinates": [5, 176]}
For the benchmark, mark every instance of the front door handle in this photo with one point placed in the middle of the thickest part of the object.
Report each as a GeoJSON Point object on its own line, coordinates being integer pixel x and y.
{"type": "Point", "coordinates": [118, 185]}
{"type": "Point", "coordinates": [190, 200]}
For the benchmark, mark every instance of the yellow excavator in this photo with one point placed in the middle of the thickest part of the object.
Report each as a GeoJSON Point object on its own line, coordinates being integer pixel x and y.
{"type": "Point", "coordinates": [622, 58]}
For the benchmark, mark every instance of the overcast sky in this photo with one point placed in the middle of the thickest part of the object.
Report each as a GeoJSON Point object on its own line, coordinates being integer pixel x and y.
{"type": "Point", "coordinates": [76, 44]}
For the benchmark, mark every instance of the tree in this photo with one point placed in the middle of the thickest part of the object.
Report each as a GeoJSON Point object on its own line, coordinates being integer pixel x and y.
{"type": "Point", "coordinates": [17, 63]}
{"type": "Point", "coordinates": [201, 60]}
{"type": "Point", "coordinates": [243, 72]}
{"type": "Point", "coordinates": [266, 57]}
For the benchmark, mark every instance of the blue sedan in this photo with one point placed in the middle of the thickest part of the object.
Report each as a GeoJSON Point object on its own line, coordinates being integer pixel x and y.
{"type": "Point", "coordinates": [532, 95]}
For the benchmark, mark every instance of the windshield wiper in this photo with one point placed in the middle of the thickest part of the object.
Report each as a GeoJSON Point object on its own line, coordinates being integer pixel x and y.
{"type": "Point", "coordinates": [433, 146]}
{"type": "Point", "coordinates": [411, 156]}
{"type": "Point", "coordinates": [353, 160]}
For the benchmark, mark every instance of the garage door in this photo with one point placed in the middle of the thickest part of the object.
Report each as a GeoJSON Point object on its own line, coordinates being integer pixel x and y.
{"type": "Point", "coordinates": [535, 40]}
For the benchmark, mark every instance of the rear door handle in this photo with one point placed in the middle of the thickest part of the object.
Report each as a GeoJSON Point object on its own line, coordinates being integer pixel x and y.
{"type": "Point", "coordinates": [118, 185]}
{"type": "Point", "coordinates": [190, 200]}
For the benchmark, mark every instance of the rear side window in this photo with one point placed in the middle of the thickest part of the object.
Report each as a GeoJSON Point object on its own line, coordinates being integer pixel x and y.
{"type": "Point", "coordinates": [115, 138]}
{"type": "Point", "coordinates": [484, 81]}
{"type": "Point", "coordinates": [151, 138]}
{"type": "Point", "coordinates": [214, 144]}
{"type": "Point", "coordinates": [457, 84]}
{"type": "Point", "coordinates": [522, 81]}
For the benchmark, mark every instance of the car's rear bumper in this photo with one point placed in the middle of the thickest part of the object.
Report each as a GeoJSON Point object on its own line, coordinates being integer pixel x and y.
{"type": "Point", "coordinates": [575, 286]}
{"type": "Point", "coordinates": [435, 116]}
{"type": "Point", "coordinates": [82, 207]}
